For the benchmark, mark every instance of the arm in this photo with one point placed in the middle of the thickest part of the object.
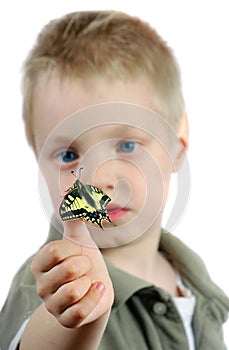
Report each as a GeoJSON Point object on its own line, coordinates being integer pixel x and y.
{"type": "Point", "coordinates": [74, 284]}
{"type": "Point", "coordinates": [45, 332]}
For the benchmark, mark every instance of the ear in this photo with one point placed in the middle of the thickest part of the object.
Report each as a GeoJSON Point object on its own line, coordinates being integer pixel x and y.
{"type": "Point", "coordinates": [183, 139]}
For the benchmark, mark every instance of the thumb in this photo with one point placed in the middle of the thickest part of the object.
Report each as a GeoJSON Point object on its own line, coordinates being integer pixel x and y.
{"type": "Point", "coordinates": [77, 231]}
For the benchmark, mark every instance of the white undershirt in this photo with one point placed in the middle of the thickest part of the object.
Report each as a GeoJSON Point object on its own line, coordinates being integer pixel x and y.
{"type": "Point", "coordinates": [186, 305]}
{"type": "Point", "coordinates": [16, 340]}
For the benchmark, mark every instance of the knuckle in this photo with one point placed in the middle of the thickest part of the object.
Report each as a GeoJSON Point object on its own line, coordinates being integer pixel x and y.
{"type": "Point", "coordinates": [71, 294]}
{"type": "Point", "coordinates": [70, 270]}
{"type": "Point", "coordinates": [73, 319]}
{"type": "Point", "coordinates": [80, 313]}
{"type": "Point", "coordinates": [41, 291]}
{"type": "Point", "coordinates": [68, 323]}
{"type": "Point", "coordinates": [49, 307]}
{"type": "Point", "coordinates": [53, 251]}
{"type": "Point", "coordinates": [73, 268]}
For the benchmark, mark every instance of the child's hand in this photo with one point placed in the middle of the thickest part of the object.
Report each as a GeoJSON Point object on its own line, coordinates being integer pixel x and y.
{"type": "Point", "coordinates": [72, 279]}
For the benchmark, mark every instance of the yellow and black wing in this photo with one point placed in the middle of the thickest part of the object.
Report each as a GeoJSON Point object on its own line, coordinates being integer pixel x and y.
{"type": "Point", "coordinates": [85, 201]}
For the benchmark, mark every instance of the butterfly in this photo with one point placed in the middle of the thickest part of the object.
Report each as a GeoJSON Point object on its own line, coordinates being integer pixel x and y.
{"type": "Point", "coordinates": [84, 201]}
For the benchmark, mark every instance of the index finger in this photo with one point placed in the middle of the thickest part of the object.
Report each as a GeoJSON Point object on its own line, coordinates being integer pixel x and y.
{"type": "Point", "coordinates": [52, 254]}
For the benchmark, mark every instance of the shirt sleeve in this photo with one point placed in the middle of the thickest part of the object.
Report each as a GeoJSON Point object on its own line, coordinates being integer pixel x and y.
{"type": "Point", "coordinates": [16, 340]}
{"type": "Point", "coordinates": [20, 304]}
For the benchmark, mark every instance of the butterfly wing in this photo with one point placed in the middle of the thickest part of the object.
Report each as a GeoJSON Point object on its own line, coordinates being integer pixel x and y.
{"type": "Point", "coordinates": [85, 201]}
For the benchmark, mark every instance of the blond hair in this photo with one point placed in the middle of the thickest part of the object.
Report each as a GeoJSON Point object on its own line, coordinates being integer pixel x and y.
{"type": "Point", "coordinates": [107, 43]}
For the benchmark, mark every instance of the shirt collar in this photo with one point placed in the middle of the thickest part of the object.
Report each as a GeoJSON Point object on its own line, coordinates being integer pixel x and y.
{"type": "Point", "coordinates": [192, 269]}
{"type": "Point", "coordinates": [132, 284]}
{"type": "Point", "coordinates": [129, 286]}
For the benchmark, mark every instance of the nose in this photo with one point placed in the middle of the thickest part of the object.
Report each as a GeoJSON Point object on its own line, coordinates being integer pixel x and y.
{"type": "Point", "coordinates": [105, 177]}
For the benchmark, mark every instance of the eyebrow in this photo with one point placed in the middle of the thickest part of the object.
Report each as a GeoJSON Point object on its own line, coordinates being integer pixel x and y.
{"type": "Point", "coordinates": [113, 130]}
{"type": "Point", "coordinates": [124, 128]}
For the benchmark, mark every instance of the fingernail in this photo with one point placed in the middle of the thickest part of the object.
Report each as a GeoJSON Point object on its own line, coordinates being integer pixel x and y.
{"type": "Point", "coordinates": [100, 287]}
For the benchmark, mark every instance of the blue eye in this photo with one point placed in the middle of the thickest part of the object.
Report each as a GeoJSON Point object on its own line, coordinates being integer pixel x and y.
{"type": "Point", "coordinates": [127, 146]}
{"type": "Point", "coordinates": [68, 156]}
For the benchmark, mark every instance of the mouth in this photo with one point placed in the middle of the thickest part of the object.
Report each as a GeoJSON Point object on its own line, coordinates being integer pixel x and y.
{"type": "Point", "coordinates": [116, 212]}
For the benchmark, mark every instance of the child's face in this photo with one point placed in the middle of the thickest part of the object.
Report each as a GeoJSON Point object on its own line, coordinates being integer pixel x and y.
{"type": "Point", "coordinates": [123, 160]}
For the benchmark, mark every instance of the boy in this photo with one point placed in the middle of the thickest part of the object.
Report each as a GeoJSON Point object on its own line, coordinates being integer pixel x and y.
{"type": "Point", "coordinates": [95, 85]}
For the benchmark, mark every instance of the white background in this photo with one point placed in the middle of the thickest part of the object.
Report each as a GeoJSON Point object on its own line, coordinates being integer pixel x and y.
{"type": "Point", "coordinates": [198, 31]}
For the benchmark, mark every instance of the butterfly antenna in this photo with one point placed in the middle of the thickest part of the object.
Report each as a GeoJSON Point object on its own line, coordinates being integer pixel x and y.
{"type": "Point", "coordinates": [73, 173]}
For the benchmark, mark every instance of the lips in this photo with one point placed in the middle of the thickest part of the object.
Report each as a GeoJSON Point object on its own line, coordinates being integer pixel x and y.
{"type": "Point", "coordinates": [115, 211]}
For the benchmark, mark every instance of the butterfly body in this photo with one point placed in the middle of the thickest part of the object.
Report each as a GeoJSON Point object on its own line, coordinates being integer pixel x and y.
{"type": "Point", "coordinates": [85, 201]}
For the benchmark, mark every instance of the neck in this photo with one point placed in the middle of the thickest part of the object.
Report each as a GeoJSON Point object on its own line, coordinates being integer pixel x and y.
{"type": "Point", "coordinates": [142, 259]}
{"type": "Point", "coordinates": [138, 257]}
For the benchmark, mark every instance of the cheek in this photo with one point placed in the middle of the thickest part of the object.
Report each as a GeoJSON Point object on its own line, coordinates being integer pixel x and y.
{"type": "Point", "coordinates": [166, 171]}
{"type": "Point", "coordinates": [150, 185]}
{"type": "Point", "coordinates": [54, 195]}
{"type": "Point", "coordinates": [137, 187]}
{"type": "Point", "coordinates": [52, 187]}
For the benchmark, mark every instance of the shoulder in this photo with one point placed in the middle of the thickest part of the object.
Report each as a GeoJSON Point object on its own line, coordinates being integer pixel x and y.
{"type": "Point", "coordinates": [182, 256]}
{"type": "Point", "coordinates": [193, 270]}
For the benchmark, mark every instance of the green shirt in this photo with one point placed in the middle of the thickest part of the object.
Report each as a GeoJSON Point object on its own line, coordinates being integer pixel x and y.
{"type": "Point", "coordinates": [143, 316]}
